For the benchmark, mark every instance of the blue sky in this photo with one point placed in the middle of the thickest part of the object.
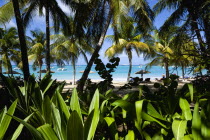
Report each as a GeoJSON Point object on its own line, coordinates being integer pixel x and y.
{"type": "Point", "coordinates": [39, 23]}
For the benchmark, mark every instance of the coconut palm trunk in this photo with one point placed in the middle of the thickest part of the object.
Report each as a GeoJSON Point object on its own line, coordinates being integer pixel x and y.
{"type": "Point", "coordinates": [10, 69]}
{"type": "Point", "coordinates": [0, 66]}
{"type": "Point", "coordinates": [23, 46]}
{"type": "Point", "coordinates": [9, 66]}
{"type": "Point", "coordinates": [94, 55]}
{"type": "Point", "coordinates": [48, 38]}
{"type": "Point", "coordinates": [130, 65]}
{"type": "Point", "coordinates": [40, 74]}
{"type": "Point", "coordinates": [167, 69]}
{"type": "Point", "coordinates": [74, 69]}
{"type": "Point", "coordinates": [207, 31]}
{"type": "Point", "coordinates": [195, 27]}
{"type": "Point", "coordinates": [183, 71]}
{"type": "Point", "coordinates": [207, 35]}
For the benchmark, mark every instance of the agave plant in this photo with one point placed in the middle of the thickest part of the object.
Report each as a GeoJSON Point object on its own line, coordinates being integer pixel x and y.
{"type": "Point", "coordinates": [5, 119]}
{"type": "Point", "coordinates": [65, 122]}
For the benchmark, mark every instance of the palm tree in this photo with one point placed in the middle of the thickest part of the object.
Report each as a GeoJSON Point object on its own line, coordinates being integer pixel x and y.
{"type": "Point", "coordinates": [162, 48]}
{"type": "Point", "coordinates": [192, 15]}
{"type": "Point", "coordinates": [115, 8]}
{"type": "Point", "coordinates": [69, 48]}
{"type": "Point", "coordinates": [6, 13]}
{"type": "Point", "coordinates": [128, 40]}
{"type": "Point", "coordinates": [21, 34]}
{"type": "Point", "coordinates": [9, 45]}
{"type": "Point", "coordinates": [184, 51]}
{"type": "Point", "coordinates": [37, 51]}
{"type": "Point", "coordinates": [1, 36]}
{"type": "Point", "coordinates": [51, 8]}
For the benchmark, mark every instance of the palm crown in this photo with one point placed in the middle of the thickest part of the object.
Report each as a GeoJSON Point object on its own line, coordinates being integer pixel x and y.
{"type": "Point", "coordinates": [128, 39]}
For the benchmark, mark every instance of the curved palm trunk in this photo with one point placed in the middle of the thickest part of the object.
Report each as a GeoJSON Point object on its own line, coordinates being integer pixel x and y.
{"type": "Point", "coordinates": [207, 35]}
{"type": "Point", "coordinates": [130, 65]}
{"type": "Point", "coordinates": [23, 46]}
{"type": "Point", "coordinates": [196, 28]}
{"type": "Point", "coordinates": [94, 55]}
{"type": "Point", "coordinates": [47, 38]}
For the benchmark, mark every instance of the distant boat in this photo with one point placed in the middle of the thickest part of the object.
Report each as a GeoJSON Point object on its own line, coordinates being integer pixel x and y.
{"type": "Point", "coordinates": [64, 69]}
{"type": "Point", "coordinates": [52, 67]}
{"type": "Point", "coordinates": [90, 72]}
{"type": "Point", "coordinates": [16, 68]}
{"type": "Point", "coordinates": [140, 66]}
{"type": "Point", "coordinates": [59, 69]}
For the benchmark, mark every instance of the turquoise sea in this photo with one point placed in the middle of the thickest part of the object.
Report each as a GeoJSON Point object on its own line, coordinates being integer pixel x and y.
{"type": "Point", "coordinates": [120, 73]}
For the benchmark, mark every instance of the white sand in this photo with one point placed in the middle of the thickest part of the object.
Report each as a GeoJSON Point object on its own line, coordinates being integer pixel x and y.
{"type": "Point", "coordinates": [117, 84]}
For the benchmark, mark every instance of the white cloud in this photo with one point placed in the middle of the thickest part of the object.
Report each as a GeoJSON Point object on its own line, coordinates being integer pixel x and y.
{"type": "Point", "coordinates": [12, 23]}
{"type": "Point", "coordinates": [64, 7]}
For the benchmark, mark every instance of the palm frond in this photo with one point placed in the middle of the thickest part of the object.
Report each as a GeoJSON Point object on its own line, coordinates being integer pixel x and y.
{"type": "Point", "coordinates": [154, 62]}
{"type": "Point", "coordinates": [6, 12]}
{"type": "Point", "coordinates": [162, 4]}
{"type": "Point", "coordinates": [30, 12]}
{"type": "Point", "coordinates": [175, 18]}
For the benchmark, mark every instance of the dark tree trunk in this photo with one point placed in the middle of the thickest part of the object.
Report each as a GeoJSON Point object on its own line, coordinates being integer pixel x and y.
{"type": "Point", "coordinates": [177, 73]}
{"type": "Point", "coordinates": [47, 38]}
{"type": "Point", "coordinates": [74, 67]}
{"type": "Point", "coordinates": [21, 34]}
{"type": "Point", "coordinates": [130, 65]}
{"type": "Point", "coordinates": [207, 32]}
{"type": "Point", "coordinates": [167, 70]}
{"type": "Point", "coordinates": [40, 74]}
{"type": "Point", "coordinates": [207, 35]}
{"type": "Point", "coordinates": [94, 55]}
{"type": "Point", "coordinates": [200, 40]}
{"type": "Point", "coordinates": [183, 71]}
{"type": "Point", "coordinates": [10, 69]}
{"type": "Point", "coordinates": [195, 27]}
{"type": "Point", "coordinates": [0, 66]}
{"type": "Point", "coordinates": [74, 70]}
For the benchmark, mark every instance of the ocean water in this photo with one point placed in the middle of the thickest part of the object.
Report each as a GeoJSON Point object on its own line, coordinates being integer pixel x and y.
{"type": "Point", "coordinates": [120, 74]}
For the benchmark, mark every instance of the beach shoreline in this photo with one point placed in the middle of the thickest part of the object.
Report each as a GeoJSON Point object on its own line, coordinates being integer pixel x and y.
{"type": "Point", "coordinates": [69, 84]}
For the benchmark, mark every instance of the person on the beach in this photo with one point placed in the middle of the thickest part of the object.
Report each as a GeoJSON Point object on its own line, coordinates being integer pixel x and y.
{"type": "Point", "coordinates": [163, 76]}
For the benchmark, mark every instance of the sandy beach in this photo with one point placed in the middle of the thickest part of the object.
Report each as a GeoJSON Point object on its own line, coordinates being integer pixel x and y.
{"type": "Point", "coordinates": [118, 84]}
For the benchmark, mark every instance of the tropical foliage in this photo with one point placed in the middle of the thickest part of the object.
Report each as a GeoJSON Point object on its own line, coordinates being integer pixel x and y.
{"type": "Point", "coordinates": [167, 113]}
{"type": "Point", "coordinates": [41, 109]}
{"type": "Point", "coordinates": [193, 17]}
{"type": "Point", "coordinates": [162, 49]}
{"type": "Point", "coordinates": [38, 49]}
{"type": "Point", "coordinates": [51, 9]}
{"type": "Point", "coordinates": [69, 48]}
{"type": "Point", "coordinates": [128, 40]}
{"type": "Point", "coordinates": [9, 48]}
{"type": "Point", "coordinates": [117, 10]}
